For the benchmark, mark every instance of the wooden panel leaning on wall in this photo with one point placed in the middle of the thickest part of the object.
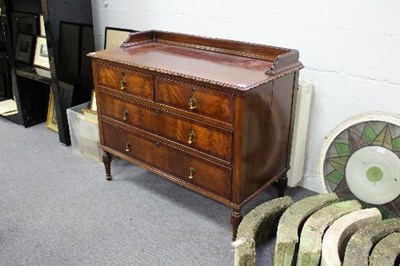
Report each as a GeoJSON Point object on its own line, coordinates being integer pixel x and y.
{"type": "Point", "coordinates": [215, 116]}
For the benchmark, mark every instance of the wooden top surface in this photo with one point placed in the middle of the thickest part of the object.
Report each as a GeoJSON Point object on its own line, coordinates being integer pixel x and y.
{"type": "Point", "coordinates": [217, 66]}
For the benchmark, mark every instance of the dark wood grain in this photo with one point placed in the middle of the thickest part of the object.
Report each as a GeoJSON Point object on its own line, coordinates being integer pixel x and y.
{"type": "Point", "coordinates": [221, 46]}
{"type": "Point", "coordinates": [210, 176]}
{"type": "Point", "coordinates": [207, 102]}
{"type": "Point", "coordinates": [136, 84]}
{"type": "Point", "coordinates": [200, 112]}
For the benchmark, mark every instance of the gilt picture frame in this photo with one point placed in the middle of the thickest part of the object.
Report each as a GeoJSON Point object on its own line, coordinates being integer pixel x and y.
{"type": "Point", "coordinates": [51, 121]}
{"type": "Point", "coordinates": [93, 103]}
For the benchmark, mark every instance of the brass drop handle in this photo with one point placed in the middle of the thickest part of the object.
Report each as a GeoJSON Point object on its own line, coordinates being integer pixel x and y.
{"type": "Point", "coordinates": [125, 115]}
{"type": "Point", "coordinates": [192, 171]}
{"type": "Point", "coordinates": [191, 137]}
{"type": "Point", "coordinates": [123, 84]}
{"type": "Point", "coordinates": [128, 147]}
{"type": "Point", "coordinates": [192, 103]}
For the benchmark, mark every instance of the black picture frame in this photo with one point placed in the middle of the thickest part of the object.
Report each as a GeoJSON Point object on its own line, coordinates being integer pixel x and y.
{"type": "Point", "coordinates": [76, 41]}
{"type": "Point", "coordinates": [86, 73]}
{"type": "Point", "coordinates": [69, 47]}
{"type": "Point", "coordinates": [5, 77]}
{"type": "Point", "coordinates": [23, 48]}
{"type": "Point", "coordinates": [114, 37]}
{"type": "Point", "coordinates": [24, 23]}
{"type": "Point", "coordinates": [2, 41]}
{"type": "Point", "coordinates": [3, 86]}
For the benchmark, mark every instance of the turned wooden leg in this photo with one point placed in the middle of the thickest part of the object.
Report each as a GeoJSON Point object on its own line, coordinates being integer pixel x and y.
{"type": "Point", "coordinates": [236, 218]}
{"type": "Point", "coordinates": [107, 164]}
{"type": "Point", "coordinates": [282, 184]}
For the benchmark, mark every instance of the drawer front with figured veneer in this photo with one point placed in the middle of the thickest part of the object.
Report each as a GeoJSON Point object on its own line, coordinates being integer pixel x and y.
{"type": "Point", "coordinates": [207, 102]}
{"type": "Point", "coordinates": [190, 169]}
{"type": "Point", "coordinates": [209, 176]}
{"type": "Point", "coordinates": [132, 145]}
{"type": "Point", "coordinates": [209, 139]}
{"type": "Point", "coordinates": [134, 114]}
{"type": "Point", "coordinates": [124, 80]}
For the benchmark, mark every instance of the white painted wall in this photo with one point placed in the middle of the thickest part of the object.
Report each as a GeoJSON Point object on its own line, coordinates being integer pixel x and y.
{"type": "Point", "coordinates": [350, 48]}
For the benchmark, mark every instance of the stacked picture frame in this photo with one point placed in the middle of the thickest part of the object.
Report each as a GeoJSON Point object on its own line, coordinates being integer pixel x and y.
{"type": "Point", "coordinates": [30, 42]}
{"type": "Point", "coordinates": [27, 90]}
{"type": "Point", "coordinates": [76, 40]}
{"type": "Point", "coordinates": [32, 80]}
{"type": "Point", "coordinates": [74, 67]}
{"type": "Point", "coordinates": [24, 28]}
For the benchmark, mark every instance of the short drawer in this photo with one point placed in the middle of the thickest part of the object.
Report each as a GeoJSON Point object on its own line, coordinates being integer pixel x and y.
{"type": "Point", "coordinates": [133, 114]}
{"type": "Point", "coordinates": [127, 81]}
{"type": "Point", "coordinates": [199, 100]}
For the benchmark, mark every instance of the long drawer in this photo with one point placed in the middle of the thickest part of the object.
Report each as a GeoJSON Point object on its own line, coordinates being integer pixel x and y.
{"type": "Point", "coordinates": [209, 139]}
{"type": "Point", "coordinates": [190, 169]}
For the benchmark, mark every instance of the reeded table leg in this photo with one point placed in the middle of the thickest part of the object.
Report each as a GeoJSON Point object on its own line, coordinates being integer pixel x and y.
{"type": "Point", "coordinates": [107, 164]}
{"type": "Point", "coordinates": [236, 218]}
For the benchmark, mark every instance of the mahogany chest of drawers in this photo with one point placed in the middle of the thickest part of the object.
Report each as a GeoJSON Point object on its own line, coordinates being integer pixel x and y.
{"type": "Point", "coordinates": [215, 116]}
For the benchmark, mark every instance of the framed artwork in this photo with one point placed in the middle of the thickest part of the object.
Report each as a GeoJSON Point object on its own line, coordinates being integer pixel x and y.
{"type": "Point", "coordinates": [42, 29]}
{"type": "Point", "coordinates": [41, 58]}
{"type": "Point", "coordinates": [114, 37]}
{"type": "Point", "coordinates": [5, 77]}
{"type": "Point", "coordinates": [51, 121]}
{"type": "Point", "coordinates": [87, 46]}
{"type": "Point", "coordinates": [90, 113]}
{"type": "Point", "coordinates": [43, 72]}
{"type": "Point", "coordinates": [67, 92]}
{"type": "Point", "coordinates": [24, 23]}
{"type": "Point", "coordinates": [69, 59]}
{"type": "Point", "coordinates": [3, 86]}
{"type": "Point", "coordinates": [93, 103]}
{"type": "Point", "coordinates": [23, 48]}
